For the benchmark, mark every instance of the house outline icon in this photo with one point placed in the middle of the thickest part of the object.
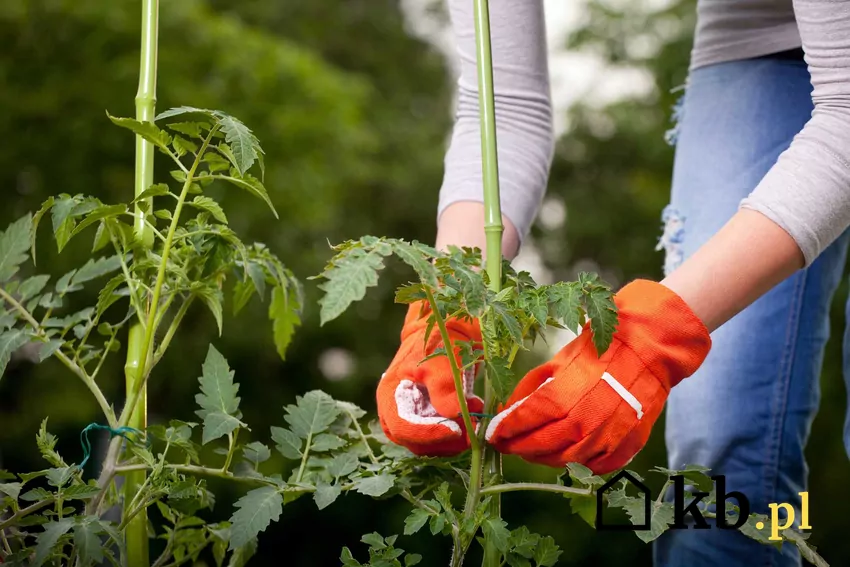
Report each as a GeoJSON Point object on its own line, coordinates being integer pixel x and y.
{"type": "Point", "coordinates": [647, 497]}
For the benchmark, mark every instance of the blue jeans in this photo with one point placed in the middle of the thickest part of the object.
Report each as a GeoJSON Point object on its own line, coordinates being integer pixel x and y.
{"type": "Point", "coordinates": [747, 411]}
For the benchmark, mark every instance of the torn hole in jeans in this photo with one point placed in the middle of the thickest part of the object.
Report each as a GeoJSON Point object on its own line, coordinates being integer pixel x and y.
{"type": "Point", "coordinates": [672, 239]}
{"type": "Point", "coordinates": [672, 135]}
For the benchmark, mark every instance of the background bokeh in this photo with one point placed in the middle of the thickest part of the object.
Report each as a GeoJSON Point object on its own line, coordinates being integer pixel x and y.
{"type": "Point", "coordinates": [353, 110]}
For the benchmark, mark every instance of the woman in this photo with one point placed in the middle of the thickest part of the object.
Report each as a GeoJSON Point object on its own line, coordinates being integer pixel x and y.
{"type": "Point", "coordinates": [755, 246]}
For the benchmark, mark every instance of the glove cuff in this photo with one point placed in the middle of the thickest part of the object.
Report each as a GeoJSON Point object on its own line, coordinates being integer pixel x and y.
{"type": "Point", "coordinates": [662, 330]}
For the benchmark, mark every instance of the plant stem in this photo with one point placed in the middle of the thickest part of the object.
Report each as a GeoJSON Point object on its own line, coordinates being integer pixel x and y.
{"type": "Point", "coordinates": [232, 438]}
{"type": "Point", "coordinates": [25, 512]}
{"type": "Point", "coordinates": [200, 471]}
{"type": "Point", "coordinates": [539, 486]}
{"type": "Point", "coordinates": [70, 364]}
{"type": "Point", "coordinates": [135, 412]}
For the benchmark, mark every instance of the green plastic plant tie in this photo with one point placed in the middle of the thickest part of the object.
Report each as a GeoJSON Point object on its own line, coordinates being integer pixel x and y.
{"type": "Point", "coordinates": [84, 438]}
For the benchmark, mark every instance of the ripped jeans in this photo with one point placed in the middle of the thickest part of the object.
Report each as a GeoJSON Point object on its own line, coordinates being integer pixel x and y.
{"type": "Point", "coordinates": [747, 412]}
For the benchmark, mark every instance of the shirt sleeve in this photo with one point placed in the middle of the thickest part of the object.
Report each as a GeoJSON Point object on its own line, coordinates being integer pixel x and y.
{"type": "Point", "coordinates": [807, 191]}
{"type": "Point", "coordinates": [525, 139]}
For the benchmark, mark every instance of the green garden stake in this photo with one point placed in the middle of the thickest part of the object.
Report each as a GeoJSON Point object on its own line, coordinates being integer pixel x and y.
{"type": "Point", "coordinates": [134, 369]}
{"type": "Point", "coordinates": [492, 225]}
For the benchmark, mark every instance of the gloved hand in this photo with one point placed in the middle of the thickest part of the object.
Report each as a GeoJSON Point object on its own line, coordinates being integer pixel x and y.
{"type": "Point", "coordinates": [599, 411]}
{"type": "Point", "coordinates": [418, 405]}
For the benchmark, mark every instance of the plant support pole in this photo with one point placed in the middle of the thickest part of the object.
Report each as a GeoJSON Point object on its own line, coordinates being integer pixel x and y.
{"type": "Point", "coordinates": [492, 225]}
{"type": "Point", "coordinates": [134, 369]}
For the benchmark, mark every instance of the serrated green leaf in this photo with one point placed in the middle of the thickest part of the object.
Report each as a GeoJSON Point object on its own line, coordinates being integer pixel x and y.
{"type": "Point", "coordinates": [209, 205]}
{"type": "Point", "coordinates": [412, 559]}
{"type": "Point", "coordinates": [255, 511]}
{"type": "Point", "coordinates": [251, 184]}
{"type": "Point", "coordinates": [256, 453]}
{"type": "Point", "coordinates": [343, 465]}
{"type": "Point", "coordinates": [415, 521]}
{"type": "Point", "coordinates": [155, 190]}
{"type": "Point", "coordinates": [312, 414]}
{"type": "Point", "coordinates": [546, 553]}
{"type": "Point", "coordinates": [242, 142]}
{"type": "Point", "coordinates": [374, 540]}
{"type": "Point", "coordinates": [107, 296]}
{"type": "Point", "coordinates": [283, 312]}
{"type": "Point", "coordinates": [326, 494]}
{"type": "Point", "coordinates": [501, 377]}
{"type": "Point", "coordinates": [45, 208]}
{"type": "Point", "coordinates": [15, 241]}
{"type": "Point", "coordinates": [37, 495]}
{"type": "Point", "coordinates": [374, 486]}
{"type": "Point", "coordinates": [10, 341]}
{"type": "Point", "coordinates": [472, 287]}
{"type": "Point", "coordinates": [211, 297]}
{"type": "Point", "coordinates": [97, 215]}
{"type": "Point", "coordinates": [326, 442]}
{"type": "Point", "coordinates": [80, 492]}
{"type": "Point", "coordinates": [48, 539]}
{"type": "Point", "coordinates": [565, 302]}
{"type": "Point", "coordinates": [11, 489]}
{"type": "Point", "coordinates": [601, 310]}
{"type": "Point", "coordinates": [418, 261]}
{"type": "Point", "coordinates": [87, 541]}
{"type": "Point", "coordinates": [218, 400]}
{"type": "Point", "coordinates": [288, 443]}
{"type": "Point", "coordinates": [182, 146]}
{"type": "Point", "coordinates": [31, 287]}
{"type": "Point", "coordinates": [496, 532]}
{"type": "Point", "coordinates": [48, 349]}
{"type": "Point", "coordinates": [585, 507]}
{"type": "Point", "coordinates": [147, 130]}
{"type": "Point", "coordinates": [584, 475]}
{"type": "Point", "coordinates": [95, 268]}
{"type": "Point", "coordinates": [350, 274]}
{"type": "Point", "coordinates": [661, 517]}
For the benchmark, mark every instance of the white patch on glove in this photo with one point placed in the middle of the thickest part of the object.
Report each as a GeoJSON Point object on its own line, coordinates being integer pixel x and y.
{"type": "Point", "coordinates": [414, 406]}
{"type": "Point", "coordinates": [505, 413]}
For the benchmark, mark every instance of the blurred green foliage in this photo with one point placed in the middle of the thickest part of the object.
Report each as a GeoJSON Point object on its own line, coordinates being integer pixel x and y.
{"type": "Point", "coordinates": [353, 113]}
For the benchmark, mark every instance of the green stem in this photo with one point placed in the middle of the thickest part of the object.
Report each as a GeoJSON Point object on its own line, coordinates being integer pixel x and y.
{"type": "Point", "coordinates": [232, 438]}
{"type": "Point", "coordinates": [70, 364]}
{"type": "Point", "coordinates": [135, 411]}
{"type": "Point", "coordinates": [25, 512]}
{"type": "Point", "coordinates": [538, 486]}
{"type": "Point", "coordinates": [172, 328]}
{"type": "Point", "coordinates": [200, 471]}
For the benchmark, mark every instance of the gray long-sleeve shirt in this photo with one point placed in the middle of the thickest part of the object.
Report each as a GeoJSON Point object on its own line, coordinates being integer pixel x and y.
{"type": "Point", "coordinates": [807, 192]}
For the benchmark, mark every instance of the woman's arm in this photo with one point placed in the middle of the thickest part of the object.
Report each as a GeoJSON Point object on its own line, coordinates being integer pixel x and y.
{"type": "Point", "coordinates": [523, 124]}
{"type": "Point", "coordinates": [802, 205]}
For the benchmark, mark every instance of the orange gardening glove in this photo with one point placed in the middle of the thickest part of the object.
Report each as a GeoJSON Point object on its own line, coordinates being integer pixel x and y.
{"type": "Point", "coordinates": [417, 403]}
{"type": "Point", "coordinates": [599, 411]}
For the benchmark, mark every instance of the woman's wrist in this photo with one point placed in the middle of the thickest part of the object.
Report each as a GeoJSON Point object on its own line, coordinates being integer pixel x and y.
{"type": "Point", "coordinates": [462, 224]}
{"type": "Point", "coordinates": [747, 258]}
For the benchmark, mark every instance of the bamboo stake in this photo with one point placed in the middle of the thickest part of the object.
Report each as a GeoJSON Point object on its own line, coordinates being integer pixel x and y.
{"type": "Point", "coordinates": [136, 532]}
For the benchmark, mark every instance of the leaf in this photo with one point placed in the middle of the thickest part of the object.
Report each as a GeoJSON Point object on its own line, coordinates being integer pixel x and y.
{"type": "Point", "coordinates": [599, 302]}
{"type": "Point", "coordinates": [240, 556]}
{"type": "Point", "coordinates": [496, 531]}
{"type": "Point", "coordinates": [181, 110]}
{"type": "Point", "coordinates": [288, 443]}
{"type": "Point", "coordinates": [218, 400]}
{"type": "Point", "coordinates": [107, 296]}
{"type": "Point", "coordinates": [211, 296]}
{"type": "Point", "coordinates": [11, 489]}
{"type": "Point", "coordinates": [312, 414]}
{"type": "Point", "coordinates": [326, 494]}
{"type": "Point", "coordinates": [48, 349]}
{"type": "Point", "coordinates": [14, 243]}
{"type": "Point", "coordinates": [374, 541]}
{"type": "Point", "coordinates": [418, 261]}
{"type": "Point", "coordinates": [256, 453]}
{"type": "Point", "coordinates": [87, 540]}
{"type": "Point", "coordinates": [375, 485]}
{"type": "Point", "coordinates": [501, 377]}
{"type": "Point", "coordinates": [343, 465]}
{"type": "Point", "coordinates": [662, 517]}
{"type": "Point", "coordinates": [255, 511]}
{"type": "Point", "coordinates": [147, 130]}
{"type": "Point", "coordinates": [253, 186]}
{"type": "Point", "coordinates": [585, 507]}
{"type": "Point", "coordinates": [80, 492]}
{"type": "Point", "coordinates": [209, 205]}
{"type": "Point", "coordinates": [546, 553]}
{"type": "Point", "coordinates": [565, 301]}
{"type": "Point", "coordinates": [48, 539]}
{"type": "Point", "coordinates": [242, 142]}
{"type": "Point", "coordinates": [584, 475]}
{"type": "Point", "coordinates": [326, 442]}
{"type": "Point", "coordinates": [94, 269]}
{"type": "Point", "coordinates": [472, 287]}
{"type": "Point", "coordinates": [10, 341]}
{"type": "Point", "coordinates": [283, 311]}
{"type": "Point", "coordinates": [45, 207]}
{"type": "Point", "coordinates": [350, 274]}
{"type": "Point", "coordinates": [412, 559]}
{"type": "Point", "coordinates": [414, 522]}
{"type": "Point", "coordinates": [32, 287]}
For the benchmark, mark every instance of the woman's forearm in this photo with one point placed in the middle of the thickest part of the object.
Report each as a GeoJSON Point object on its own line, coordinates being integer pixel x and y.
{"type": "Point", "coordinates": [749, 256]}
